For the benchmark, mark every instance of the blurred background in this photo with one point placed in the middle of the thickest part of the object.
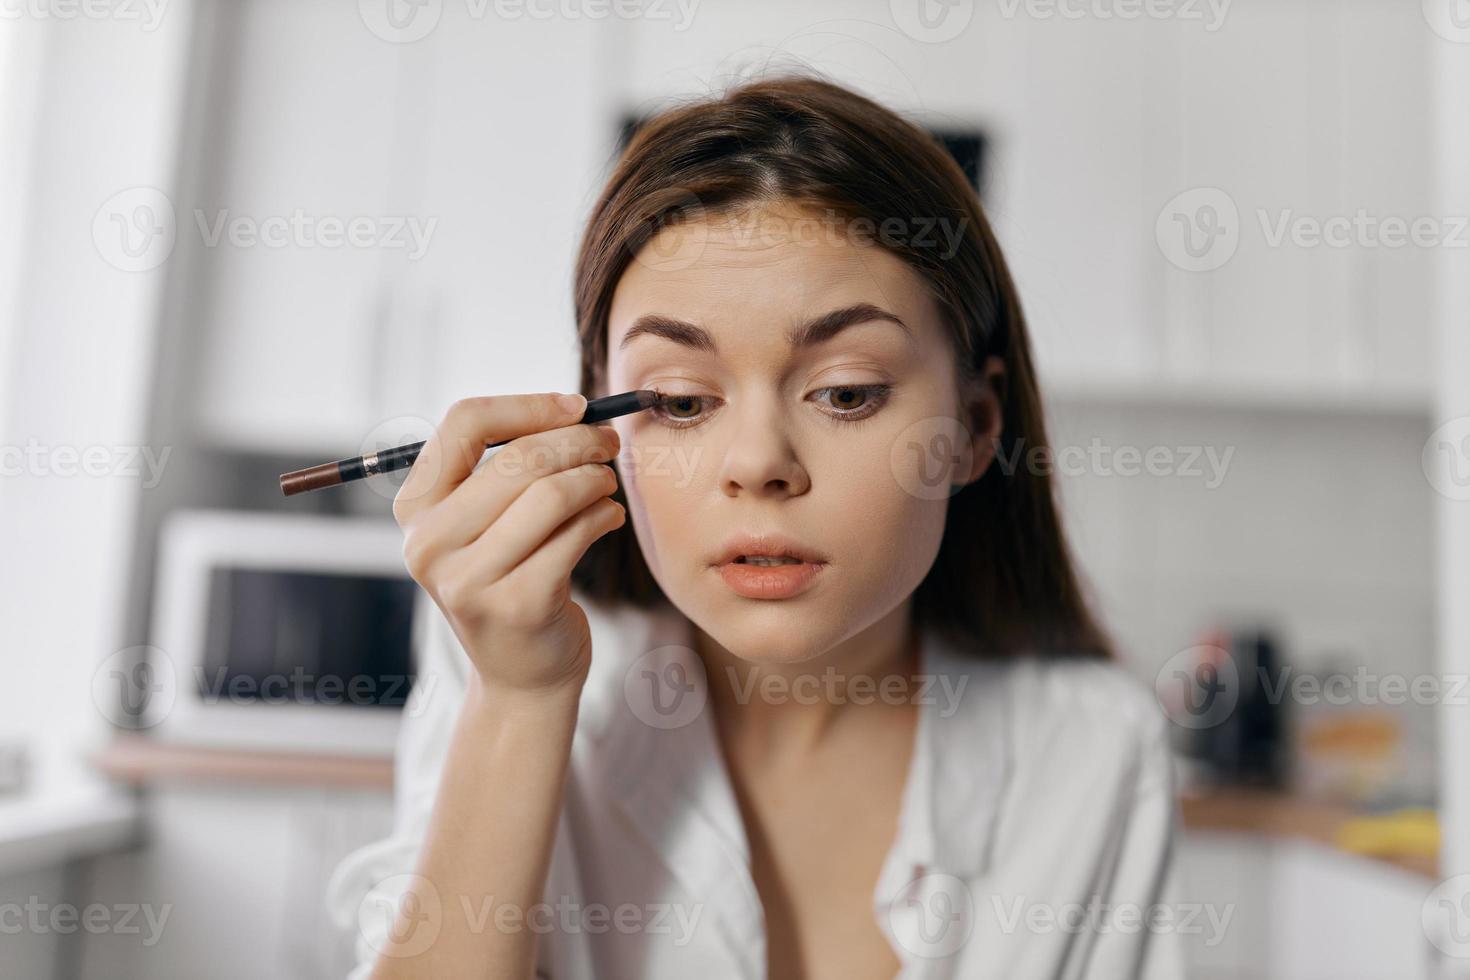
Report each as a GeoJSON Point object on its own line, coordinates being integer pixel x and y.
{"type": "Point", "coordinates": [242, 236]}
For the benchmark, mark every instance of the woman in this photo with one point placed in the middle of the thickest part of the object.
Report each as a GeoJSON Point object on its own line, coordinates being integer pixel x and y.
{"type": "Point", "coordinates": [834, 704]}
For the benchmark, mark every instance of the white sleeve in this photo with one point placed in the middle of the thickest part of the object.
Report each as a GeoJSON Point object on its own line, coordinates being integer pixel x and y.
{"type": "Point", "coordinates": [1146, 874]}
{"type": "Point", "coordinates": [371, 878]}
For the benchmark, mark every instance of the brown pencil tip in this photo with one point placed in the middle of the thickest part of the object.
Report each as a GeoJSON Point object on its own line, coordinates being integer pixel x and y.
{"type": "Point", "coordinates": [311, 478]}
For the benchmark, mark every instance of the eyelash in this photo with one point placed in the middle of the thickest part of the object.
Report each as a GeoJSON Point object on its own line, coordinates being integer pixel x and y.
{"type": "Point", "coordinates": [878, 397]}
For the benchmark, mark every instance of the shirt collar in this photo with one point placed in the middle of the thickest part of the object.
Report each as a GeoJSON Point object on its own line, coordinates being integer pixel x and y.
{"type": "Point", "coordinates": [653, 763]}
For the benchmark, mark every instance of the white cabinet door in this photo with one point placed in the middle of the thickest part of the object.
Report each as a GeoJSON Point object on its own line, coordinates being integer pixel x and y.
{"type": "Point", "coordinates": [234, 879]}
{"type": "Point", "coordinates": [292, 225]}
{"type": "Point", "coordinates": [511, 127]}
{"type": "Point", "coordinates": [1306, 116]}
{"type": "Point", "coordinates": [1284, 909]}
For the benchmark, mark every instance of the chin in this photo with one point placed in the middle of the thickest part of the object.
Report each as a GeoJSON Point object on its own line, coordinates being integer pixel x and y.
{"type": "Point", "coordinates": [754, 648]}
{"type": "Point", "coordinates": [765, 631]}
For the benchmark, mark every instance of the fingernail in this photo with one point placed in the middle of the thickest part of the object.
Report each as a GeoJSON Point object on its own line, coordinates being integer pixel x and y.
{"type": "Point", "coordinates": [574, 404]}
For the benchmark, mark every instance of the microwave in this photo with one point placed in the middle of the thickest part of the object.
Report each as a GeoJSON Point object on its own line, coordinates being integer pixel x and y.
{"type": "Point", "coordinates": [282, 632]}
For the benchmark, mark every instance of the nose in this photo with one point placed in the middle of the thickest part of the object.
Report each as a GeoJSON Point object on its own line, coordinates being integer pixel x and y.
{"type": "Point", "coordinates": [761, 459]}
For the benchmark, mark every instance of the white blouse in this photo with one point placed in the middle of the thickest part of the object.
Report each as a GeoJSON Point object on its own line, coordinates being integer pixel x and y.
{"type": "Point", "coordinates": [1035, 836]}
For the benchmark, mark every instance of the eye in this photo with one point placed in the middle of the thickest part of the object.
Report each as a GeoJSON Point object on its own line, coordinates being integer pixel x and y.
{"type": "Point", "coordinates": [845, 403]}
{"type": "Point", "coordinates": [854, 402]}
{"type": "Point", "coordinates": [672, 409]}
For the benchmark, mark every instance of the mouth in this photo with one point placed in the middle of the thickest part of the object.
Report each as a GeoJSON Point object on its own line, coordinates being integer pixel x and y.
{"type": "Point", "coordinates": [768, 566]}
{"type": "Point", "coordinates": [766, 561]}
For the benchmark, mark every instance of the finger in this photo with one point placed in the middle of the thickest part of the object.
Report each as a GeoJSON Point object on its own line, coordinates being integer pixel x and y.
{"type": "Point", "coordinates": [559, 554]}
{"type": "Point", "coordinates": [451, 453]}
{"type": "Point", "coordinates": [534, 516]}
{"type": "Point", "coordinates": [479, 501]}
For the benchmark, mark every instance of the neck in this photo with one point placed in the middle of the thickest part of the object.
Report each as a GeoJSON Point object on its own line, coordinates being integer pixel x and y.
{"type": "Point", "coordinates": [799, 705]}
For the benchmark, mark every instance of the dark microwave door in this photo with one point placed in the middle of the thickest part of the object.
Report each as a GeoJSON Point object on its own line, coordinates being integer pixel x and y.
{"type": "Point", "coordinates": [310, 638]}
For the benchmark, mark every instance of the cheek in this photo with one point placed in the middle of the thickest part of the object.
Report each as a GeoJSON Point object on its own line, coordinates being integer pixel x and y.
{"type": "Point", "coordinates": [661, 484]}
{"type": "Point", "coordinates": [883, 525]}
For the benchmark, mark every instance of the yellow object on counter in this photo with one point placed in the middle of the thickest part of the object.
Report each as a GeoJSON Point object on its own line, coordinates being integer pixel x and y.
{"type": "Point", "coordinates": [1407, 832]}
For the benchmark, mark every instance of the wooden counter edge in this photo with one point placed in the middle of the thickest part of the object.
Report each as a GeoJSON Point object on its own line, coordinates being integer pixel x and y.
{"type": "Point", "coordinates": [1282, 816]}
{"type": "Point", "coordinates": [140, 760]}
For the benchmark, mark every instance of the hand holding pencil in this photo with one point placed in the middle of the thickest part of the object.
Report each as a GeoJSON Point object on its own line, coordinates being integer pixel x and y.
{"type": "Point", "coordinates": [386, 461]}
{"type": "Point", "coordinates": [494, 545]}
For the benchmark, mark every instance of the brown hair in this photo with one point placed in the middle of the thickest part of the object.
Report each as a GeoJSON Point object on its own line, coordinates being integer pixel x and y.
{"type": "Point", "coordinates": [1002, 582]}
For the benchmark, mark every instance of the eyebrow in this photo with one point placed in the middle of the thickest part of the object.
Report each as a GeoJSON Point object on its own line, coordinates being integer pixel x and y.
{"type": "Point", "coordinates": [800, 337]}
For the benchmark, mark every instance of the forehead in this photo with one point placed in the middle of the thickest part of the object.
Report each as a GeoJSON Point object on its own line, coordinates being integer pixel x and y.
{"type": "Point", "coordinates": [747, 277]}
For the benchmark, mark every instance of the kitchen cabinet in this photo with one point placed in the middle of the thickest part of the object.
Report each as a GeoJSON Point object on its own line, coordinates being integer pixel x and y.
{"type": "Point", "coordinates": [242, 871]}
{"type": "Point", "coordinates": [1320, 156]}
{"type": "Point", "coordinates": [1095, 125]}
{"type": "Point", "coordinates": [312, 341]}
{"type": "Point", "coordinates": [301, 132]}
{"type": "Point", "coordinates": [1283, 909]}
{"type": "Point", "coordinates": [1096, 121]}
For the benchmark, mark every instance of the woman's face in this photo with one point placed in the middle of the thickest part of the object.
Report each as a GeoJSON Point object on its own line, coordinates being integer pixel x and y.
{"type": "Point", "coordinates": [841, 440]}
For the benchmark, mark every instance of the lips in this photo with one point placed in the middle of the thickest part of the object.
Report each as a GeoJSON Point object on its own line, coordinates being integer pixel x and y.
{"type": "Point", "coordinates": [766, 549]}
{"type": "Point", "coordinates": [768, 566]}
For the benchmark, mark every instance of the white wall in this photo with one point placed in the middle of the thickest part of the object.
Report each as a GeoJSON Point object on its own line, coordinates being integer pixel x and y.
{"type": "Point", "coordinates": [78, 370]}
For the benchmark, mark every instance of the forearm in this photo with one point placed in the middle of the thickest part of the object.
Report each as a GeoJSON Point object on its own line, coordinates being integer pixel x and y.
{"type": "Point", "coordinates": [488, 843]}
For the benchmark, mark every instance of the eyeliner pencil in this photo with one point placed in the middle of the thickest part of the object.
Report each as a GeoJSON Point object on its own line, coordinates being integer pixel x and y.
{"type": "Point", "coordinates": [401, 457]}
